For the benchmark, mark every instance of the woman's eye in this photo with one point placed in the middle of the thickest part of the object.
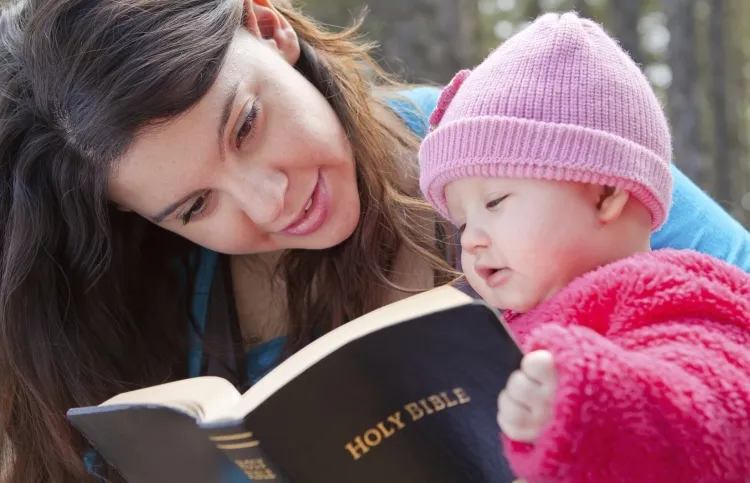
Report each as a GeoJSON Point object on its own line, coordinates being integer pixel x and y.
{"type": "Point", "coordinates": [247, 125]}
{"type": "Point", "coordinates": [195, 209]}
{"type": "Point", "coordinates": [461, 229]}
{"type": "Point", "coordinates": [495, 202]}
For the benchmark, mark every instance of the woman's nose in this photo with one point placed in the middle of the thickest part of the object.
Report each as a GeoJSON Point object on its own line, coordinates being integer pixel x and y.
{"type": "Point", "coordinates": [260, 193]}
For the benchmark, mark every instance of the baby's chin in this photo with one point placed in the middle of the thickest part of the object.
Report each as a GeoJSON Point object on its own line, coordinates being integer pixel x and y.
{"type": "Point", "coordinates": [508, 299]}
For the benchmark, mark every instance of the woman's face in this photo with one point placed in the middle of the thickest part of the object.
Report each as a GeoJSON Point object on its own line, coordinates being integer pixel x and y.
{"type": "Point", "coordinates": [260, 164]}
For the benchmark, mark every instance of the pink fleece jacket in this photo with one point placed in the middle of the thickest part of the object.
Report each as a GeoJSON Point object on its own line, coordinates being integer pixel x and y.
{"type": "Point", "coordinates": [653, 361]}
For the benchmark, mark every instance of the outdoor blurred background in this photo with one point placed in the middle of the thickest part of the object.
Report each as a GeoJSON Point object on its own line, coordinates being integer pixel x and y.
{"type": "Point", "coordinates": [695, 52]}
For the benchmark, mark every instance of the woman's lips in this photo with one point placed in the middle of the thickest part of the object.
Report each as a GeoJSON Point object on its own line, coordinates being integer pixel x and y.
{"type": "Point", "coordinates": [314, 213]}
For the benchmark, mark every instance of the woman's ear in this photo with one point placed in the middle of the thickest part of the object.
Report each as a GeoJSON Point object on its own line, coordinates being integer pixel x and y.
{"type": "Point", "coordinates": [267, 24]}
{"type": "Point", "coordinates": [611, 203]}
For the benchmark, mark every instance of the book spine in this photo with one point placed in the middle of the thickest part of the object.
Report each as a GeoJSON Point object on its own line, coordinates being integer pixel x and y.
{"type": "Point", "coordinates": [247, 454]}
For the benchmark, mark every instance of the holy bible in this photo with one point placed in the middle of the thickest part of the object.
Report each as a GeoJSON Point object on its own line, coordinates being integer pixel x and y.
{"type": "Point", "coordinates": [407, 393]}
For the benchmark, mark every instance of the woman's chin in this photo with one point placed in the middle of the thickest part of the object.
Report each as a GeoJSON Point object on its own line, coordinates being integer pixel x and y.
{"type": "Point", "coordinates": [339, 228]}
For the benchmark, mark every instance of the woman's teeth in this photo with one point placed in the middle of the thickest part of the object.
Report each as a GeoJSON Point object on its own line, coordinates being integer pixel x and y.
{"type": "Point", "coordinates": [309, 204]}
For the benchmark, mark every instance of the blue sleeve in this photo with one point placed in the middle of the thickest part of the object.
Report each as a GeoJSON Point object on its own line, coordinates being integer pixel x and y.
{"type": "Point", "coordinates": [697, 222]}
{"type": "Point", "coordinates": [415, 107]}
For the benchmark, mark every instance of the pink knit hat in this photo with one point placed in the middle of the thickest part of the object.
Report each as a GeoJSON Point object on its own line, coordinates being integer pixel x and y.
{"type": "Point", "coordinates": [559, 100]}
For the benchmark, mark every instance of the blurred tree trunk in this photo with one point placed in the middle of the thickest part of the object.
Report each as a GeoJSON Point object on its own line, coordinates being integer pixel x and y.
{"type": "Point", "coordinates": [583, 8]}
{"type": "Point", "coordinates": [532, 10]}
{"type": "Point", "coordinates": [422, 40]}
{"type": "Point", "coordinates": [624, 16]}
{"type": "Point", "coordinates": [718, 74]}
{"type": "Point", "coordinates": [684, 92]}
{"type": "Point", "coordinates": [734, 29]}
{"type": "Point", "coordinates": [740, 15]}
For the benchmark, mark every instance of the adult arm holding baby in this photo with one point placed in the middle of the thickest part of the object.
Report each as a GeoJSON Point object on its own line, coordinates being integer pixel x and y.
{"type": "Point", "coordinates": [553, 159]}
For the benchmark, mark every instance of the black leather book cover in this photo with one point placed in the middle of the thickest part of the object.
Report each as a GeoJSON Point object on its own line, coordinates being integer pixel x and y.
{"type": "Point", "coordinates": [415, 402]}
{"type": "Point", "coordinates": [412, 402]}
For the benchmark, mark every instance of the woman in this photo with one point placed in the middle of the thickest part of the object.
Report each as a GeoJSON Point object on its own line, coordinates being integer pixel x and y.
{"type": "Point", "coordinates": [141, 139]}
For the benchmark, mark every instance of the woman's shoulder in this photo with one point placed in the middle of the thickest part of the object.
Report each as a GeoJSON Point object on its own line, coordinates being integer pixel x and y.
{"type": "Point", "coordinates": [425, 97]}
{"type": "Point", "coordinates": [414, 104]}
{"type": "Point", "coordinates": [697, 222]}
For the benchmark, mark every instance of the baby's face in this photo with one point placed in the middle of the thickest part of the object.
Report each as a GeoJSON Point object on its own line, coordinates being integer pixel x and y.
{"type": "Point", "coordinates": [523, 240]}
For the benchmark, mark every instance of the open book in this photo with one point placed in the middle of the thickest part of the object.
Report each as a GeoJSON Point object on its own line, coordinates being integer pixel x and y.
{"type": "Point", "coordinates": [405, 393]}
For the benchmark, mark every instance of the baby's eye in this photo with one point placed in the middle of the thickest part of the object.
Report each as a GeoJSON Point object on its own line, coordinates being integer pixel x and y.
{"type": "Point", "coordinates": [495, 202]}
{"type": "Point", "coordinates": [461, 229]}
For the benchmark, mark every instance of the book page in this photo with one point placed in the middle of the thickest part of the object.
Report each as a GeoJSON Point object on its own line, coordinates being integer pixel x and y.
{"type": "Point", "coordinates": [434, 300]}
{"type": "Point", "coordinates": [204, 398]}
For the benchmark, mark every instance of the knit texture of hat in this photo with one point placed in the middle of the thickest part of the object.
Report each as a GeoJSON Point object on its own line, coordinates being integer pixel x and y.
{"type": "Point", "coordinates": [559, 100]}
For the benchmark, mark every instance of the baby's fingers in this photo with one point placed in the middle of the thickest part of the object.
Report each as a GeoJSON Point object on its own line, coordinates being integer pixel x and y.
{"type": "Point", "coordinates": [540, 367]}
{"type": "Point", "coordinates": [516, 420]}
{"type": "Point", "coordinates": [529, 393]}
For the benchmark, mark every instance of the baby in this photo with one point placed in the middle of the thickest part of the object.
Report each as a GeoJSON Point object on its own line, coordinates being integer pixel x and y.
{"type": "Point", "coordinates": [552, 157]}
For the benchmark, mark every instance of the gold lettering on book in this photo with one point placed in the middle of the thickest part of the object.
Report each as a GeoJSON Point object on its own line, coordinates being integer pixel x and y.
{"type": "Point", "coordinates": [246, 444]}
{"type": "Point", "coordinates": [434, 403]}
{"type": "Point", "coordinates": [448, 401]}
{"type": "Point", "coordinates": [255, 469]}
{"type": "Point", "coordinates": [463, 398]}
{"type": "Point", "coordinates": [232, 441]}
{"type": "Point", "coordinates": [414, 410]}
{"type": "Point", "coordinates": [231, 437]}
{"type": "Point", "coordinates": [357, 448]}
{"type": "Point", "coordinates": [374, 436]}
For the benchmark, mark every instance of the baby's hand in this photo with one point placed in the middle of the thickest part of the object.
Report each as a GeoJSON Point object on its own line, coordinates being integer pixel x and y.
{"type": "Point", "coordinates": [525, 405]}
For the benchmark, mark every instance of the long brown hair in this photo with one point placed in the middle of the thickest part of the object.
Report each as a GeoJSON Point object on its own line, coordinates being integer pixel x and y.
{"type": "Point", "coordinates": [391, 214]}
{"type": "Point", "coordinates": [94, 301]}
